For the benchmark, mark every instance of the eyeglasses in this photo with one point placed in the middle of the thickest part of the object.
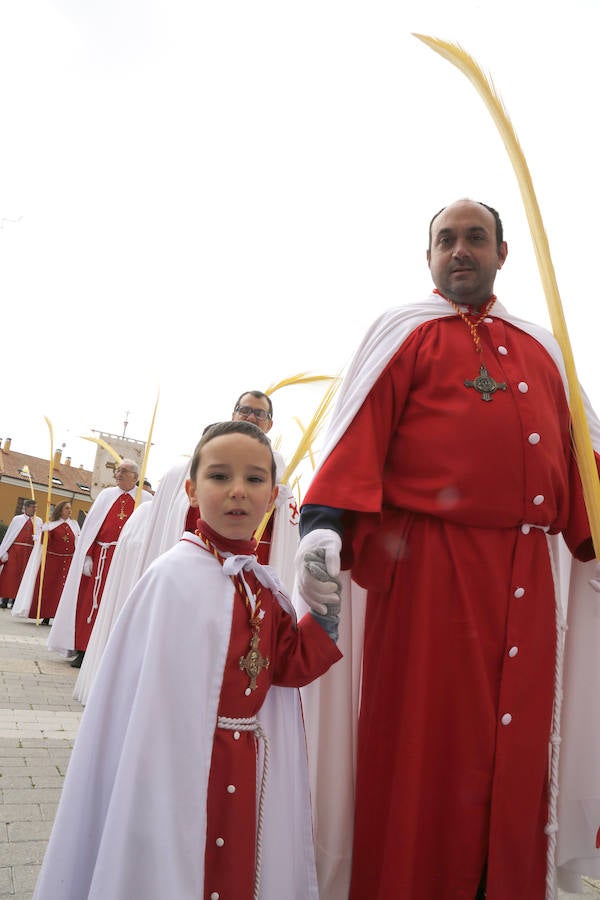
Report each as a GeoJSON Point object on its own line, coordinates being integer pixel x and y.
{"type": "Point", "coordinates": [247, 411]}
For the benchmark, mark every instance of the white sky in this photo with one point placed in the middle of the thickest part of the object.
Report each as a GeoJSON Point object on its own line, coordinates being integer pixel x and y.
{"type": "Point", "coordinates": [212, 196]}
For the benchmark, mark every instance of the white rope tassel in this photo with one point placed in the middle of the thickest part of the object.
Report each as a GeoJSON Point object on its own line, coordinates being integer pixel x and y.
{"type": "Point", "coordinates": [98, 578]}
{"type": "Point", "coordinates": [552, 826]}
{"type": "Point", "coordinates": [253, 725]}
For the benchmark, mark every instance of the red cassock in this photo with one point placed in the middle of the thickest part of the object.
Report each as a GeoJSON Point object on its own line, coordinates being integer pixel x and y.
{"type": "Point", "coordinates": [296, 657]}
{"type": "Point", "coordinates": [444, 491]}
{"type": "Point", "coordinates": [101, 552]}
{"type": "Point", "coordinates": [59, 554]}
{"type": "Point", "coordinates": [18, 557]}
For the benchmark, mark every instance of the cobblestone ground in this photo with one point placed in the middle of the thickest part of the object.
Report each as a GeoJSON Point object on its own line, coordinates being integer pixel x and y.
{"type": "Point", "coordinates": [38, 724]}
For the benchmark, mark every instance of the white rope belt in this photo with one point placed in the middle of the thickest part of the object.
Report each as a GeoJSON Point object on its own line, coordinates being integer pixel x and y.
{"type": "Point", "coordinates": [252, 724]}
{"type": "Point", "coordinates": [99, 574]}
{"type": "Point", "coordinates": [21, 544]}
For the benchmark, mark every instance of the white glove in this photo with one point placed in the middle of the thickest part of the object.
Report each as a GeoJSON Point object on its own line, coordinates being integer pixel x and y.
{"type": "Point", "coordinates": [595, 579]}
{"type": "Point", "coordinates": [88, 565]}
{"type": "Point", "coordinates": [4, 558]}
{"type": "Point", "coordinates": [317, 568]}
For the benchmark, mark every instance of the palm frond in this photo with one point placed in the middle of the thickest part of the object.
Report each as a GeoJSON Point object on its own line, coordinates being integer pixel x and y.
{"type": "Point", "coordinates": [581, 436]}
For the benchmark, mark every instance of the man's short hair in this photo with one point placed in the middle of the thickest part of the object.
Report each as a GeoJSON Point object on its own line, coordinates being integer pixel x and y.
{"type": "Point", "coordinates": [260, 395]}
{"type": "Point", "coordinates": [28, 503]}
{"type": "Point", "coordinates": [497, 219]}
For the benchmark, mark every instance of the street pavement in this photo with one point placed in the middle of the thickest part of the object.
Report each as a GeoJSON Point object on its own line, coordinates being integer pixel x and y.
{"type": "Point", "coordinates": [38, 725]}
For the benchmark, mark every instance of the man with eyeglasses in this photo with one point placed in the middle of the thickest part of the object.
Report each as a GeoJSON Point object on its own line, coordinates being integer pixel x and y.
{"type": "Point", "coordinates": [82, 594]}
{"type": "Point", "coordinates": [256, 407]}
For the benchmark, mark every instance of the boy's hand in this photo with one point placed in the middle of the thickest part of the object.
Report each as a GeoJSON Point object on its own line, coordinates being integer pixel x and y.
{"type": "Point", "coordinates": [317, 567]}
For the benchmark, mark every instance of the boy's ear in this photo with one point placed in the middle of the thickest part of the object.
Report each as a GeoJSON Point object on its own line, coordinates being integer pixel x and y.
{"type": "Point", "coordinates": [273, 497]}
{"type": "Point", "coordinates": [190, 489]}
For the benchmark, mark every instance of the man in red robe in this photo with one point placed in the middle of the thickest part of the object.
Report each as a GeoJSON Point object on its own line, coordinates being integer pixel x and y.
{"type": "Point", "coordinates": [15, 551]}
{"type": "Point", "coordinates": [448, 461]}
{"type": "Point", "coordinates": [82, 593]}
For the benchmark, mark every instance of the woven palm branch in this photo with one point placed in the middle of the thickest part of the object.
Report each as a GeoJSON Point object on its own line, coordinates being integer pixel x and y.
{"type": "Point", "coordinates": [47, 519]}
{"type": "Point", "coordinates": [303, 449]}
{"type": "Point", "coordinates": [102, 443]}
{"type": "Point", "coordinates": [302, 378]}
{"type": "Point", "coordinates": [581, 436]}
{"type": "Point", "coordinates": [142, 475]}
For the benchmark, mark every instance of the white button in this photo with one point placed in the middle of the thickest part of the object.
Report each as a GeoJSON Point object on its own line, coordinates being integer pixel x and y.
{"type": "Point", "coordinates": [538, 499]}
{"type": "Point", "coordinates": [214, 896]}
{"type": "Point", "coordinates": [506, 719]}
{"type": "Point", "coordinates": [231, 788]}
{"type": "Point", "coordinates": [523, 387]}
{"type": "Point", "coordinates": [519, 592]}
{"type": "Point", "coordinates": [525, 529]}
{"type": "Point", "coordinates": [487, 320]}
{"type": "Point", "coordinates": [236, 735]}
{"type": "Point", "coordinates": [534, 438]}
{"type": "Point", "coordinates": [513, 651]}
{"type": "Point", "coordinates": [219, 842]}
{"type": "Point", "coordinates": [502, 350]}
{"type": "Point", "coordinates": [247, 692]}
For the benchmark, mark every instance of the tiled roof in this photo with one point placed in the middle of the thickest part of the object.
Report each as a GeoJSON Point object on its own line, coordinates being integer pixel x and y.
{"type": "Point", "coordinates": [12, 462]}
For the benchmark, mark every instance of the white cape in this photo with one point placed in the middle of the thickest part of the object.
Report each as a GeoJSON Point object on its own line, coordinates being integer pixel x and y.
{"type": "Point", "coordinates": [62, 633]}
{"type": "Point", "coordinates": [148, 534]}
{"type": "Point", "coordinates": [132, 818]}
{"type": "Point", "coordinates": [332, 702]}
{"type": "Point", "coordinates": [13, 530]}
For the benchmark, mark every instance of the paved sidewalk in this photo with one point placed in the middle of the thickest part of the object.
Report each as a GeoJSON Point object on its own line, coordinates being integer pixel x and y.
{"type": "Point", "coordinates": [38, 725]}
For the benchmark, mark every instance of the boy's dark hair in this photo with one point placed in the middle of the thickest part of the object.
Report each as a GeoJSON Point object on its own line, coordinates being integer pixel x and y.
{"type": "Point", "coordinates": [220, 428]}
{"type": "Point", "coordinates": [259, 396]}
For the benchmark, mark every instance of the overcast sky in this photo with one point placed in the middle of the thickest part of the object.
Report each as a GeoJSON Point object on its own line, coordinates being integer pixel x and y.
{"type": "Point", "coordinates": [206, 197]}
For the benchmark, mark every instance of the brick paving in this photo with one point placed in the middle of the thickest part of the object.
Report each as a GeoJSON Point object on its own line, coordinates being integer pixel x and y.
{"type": "Point", "coordinates": [38, 725]}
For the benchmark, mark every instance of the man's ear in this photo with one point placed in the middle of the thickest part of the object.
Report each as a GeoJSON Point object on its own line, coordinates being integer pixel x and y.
{"type": "Point", "coordinates": [190, 489]}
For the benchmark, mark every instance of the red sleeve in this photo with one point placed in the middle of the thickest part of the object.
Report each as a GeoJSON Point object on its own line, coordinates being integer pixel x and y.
{"type": "Point", "coordinates": [302, 653]}
{"type": "Point", "coordinates": [351, 477]}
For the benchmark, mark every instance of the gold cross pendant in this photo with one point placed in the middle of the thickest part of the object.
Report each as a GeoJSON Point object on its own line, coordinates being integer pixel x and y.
{"type": "Point", "coordinates": [122, 514]}
{"type": "Point", "coordinates": [253, 663]}
{"type": "Point", "coordinates": [485, 384]}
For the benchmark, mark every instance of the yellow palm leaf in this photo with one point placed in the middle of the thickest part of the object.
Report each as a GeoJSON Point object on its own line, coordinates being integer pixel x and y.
{"type": "Point", "coordinates": [581, 435]}
{"type": "Point", "coordinates": [308, 436]}
{"type": "Point", "coordinates": [102, 443]}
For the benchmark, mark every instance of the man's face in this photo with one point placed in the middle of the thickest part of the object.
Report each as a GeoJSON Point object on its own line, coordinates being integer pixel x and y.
{"type": "Point", "coordinates": [125, 477]}
{"type": "Point", "coordinates": [253, 404]}
{"type": "Point", "coordinates": [30, 510]}
{"type": "Point", "coordinates": [464, 258]}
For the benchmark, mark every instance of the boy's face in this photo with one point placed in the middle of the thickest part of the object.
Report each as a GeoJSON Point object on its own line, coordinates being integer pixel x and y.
{"type": "Point", "coordinates": [233, 485]}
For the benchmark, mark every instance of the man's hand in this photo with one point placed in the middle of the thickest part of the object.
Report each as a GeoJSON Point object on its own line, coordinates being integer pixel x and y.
{"type": "Point", "coordinates": [595, 579]}
{"type": "Point", "coordinates": [318, 567]}
{"type": "Point", "coordinates": [88, 565]}
{"type": "Point", "coordinates": [4, 558]}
